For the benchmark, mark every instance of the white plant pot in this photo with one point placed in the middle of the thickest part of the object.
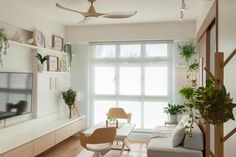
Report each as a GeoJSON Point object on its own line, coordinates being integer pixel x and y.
{"type": "Point", "coordinates": [40, 67]}
{"type": "Point", "coordinates": [172, 118]}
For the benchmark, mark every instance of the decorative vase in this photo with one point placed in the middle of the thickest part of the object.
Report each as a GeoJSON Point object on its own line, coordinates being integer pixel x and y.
{"type": "Point", "coordinates": [70, 115]}
{"type": "Point", "coordinates": [40, 67]}
{"type": "Point", "coordinates": [172, 118]}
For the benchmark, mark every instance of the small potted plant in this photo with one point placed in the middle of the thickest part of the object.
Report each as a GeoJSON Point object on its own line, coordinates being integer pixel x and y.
{"type": "Point", "coordinates": [187, 51]}
{"type": "Point", "coordinates": [192, 69]}
{"type": "Point", "coordinates": [69, 97]}
{"type": "Point", "coordinates": [187, 92]}
{"type": "Point", "coordinates": [41, 60]}
{"type": "Point", "coordinates": [173, 111]}
{"type": "Point", "coordinates": [4, 45]}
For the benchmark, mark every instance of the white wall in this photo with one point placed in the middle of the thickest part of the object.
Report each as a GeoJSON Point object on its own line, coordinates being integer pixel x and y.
{"type": "Point", "coordinates": [23, 18]}
{"type": "Point", "coordinates": [80, 36]}
{"type": "Point", "coordinates": [80, 76]}
{"type": "Point", "coordinates": [227, 43]}
{"type": "Point", "coordinates": [131, 32]}
{"type": "Point", "coordinates": [204, 11]}
{"type": "Point", "coordinates": [19, 59]}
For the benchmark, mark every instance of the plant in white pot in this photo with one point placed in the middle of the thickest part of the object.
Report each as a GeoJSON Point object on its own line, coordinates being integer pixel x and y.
{"type": "Point", "coordinates": [41, 60]}
{"type": "Point", "coordinates": [173, 111]}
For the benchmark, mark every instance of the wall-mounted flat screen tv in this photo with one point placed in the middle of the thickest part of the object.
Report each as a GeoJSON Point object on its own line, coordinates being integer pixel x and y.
{"type": "Point", "coordinates": [15, 94]}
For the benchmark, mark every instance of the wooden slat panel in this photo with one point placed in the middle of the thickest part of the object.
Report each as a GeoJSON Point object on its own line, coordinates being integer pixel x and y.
{"type": "Point", "coordinates": [63, 133]}
{"type": "Point", "coordinates": [26, 150]}
{"type": "Point", "coordinates": [45, 142]}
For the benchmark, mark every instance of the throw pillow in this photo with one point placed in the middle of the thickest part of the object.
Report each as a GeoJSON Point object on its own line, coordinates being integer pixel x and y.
{"type": "Point", "coordinates": [178, 134]}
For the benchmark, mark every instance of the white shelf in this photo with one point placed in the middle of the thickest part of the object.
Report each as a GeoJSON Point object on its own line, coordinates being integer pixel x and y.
{"type": "Point", "coordinates": [54, 72]}
{"type": "Point", "coordinates": [43, 50]}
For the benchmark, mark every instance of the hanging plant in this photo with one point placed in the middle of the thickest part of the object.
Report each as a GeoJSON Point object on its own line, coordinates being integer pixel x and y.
{"type": "Point", "coordinates": [68, 50]}
{"type": "Point", "coordinates": [214, 103]}
{"type": "Point", "coordinates": [194, 66]}
{"type": "Point", "coordinates": [187, 51]}
{"type": "Point", "coordinates": [4, 45]}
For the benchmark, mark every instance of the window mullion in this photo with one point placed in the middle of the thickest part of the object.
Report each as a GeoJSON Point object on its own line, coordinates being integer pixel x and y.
{"type": "Point", "coordinates": [142, 83]}
{"type": "Point", "coordinates": [117, 75]}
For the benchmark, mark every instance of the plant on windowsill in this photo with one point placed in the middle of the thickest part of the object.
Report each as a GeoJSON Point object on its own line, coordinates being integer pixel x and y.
{"type": "Point", "coordinates": [41, 60]}
{"type": "Point", "coordinates": [173, 111]}
{"type": "Point", "coordinates": [187, 51]}
{"type": "Point", "coordinates": [4, 45]}
{"type": "Point", "coordinates": [69, 97]}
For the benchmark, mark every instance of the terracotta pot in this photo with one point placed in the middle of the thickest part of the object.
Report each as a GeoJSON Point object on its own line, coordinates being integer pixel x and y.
{"type": "Point", "coordinates": [194, 83]}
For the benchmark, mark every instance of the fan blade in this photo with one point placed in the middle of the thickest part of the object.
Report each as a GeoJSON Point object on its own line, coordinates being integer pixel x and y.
{"type": "Point", "coordinates": [68, 9]}
{"type": "Point", "coordinates": [85, 20]}
{"type": "Point", "coordinates": [118, 15]}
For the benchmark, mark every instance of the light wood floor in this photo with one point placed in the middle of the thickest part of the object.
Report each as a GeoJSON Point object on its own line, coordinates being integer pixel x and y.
{"type": "Point", "coordinates": [72, 148]}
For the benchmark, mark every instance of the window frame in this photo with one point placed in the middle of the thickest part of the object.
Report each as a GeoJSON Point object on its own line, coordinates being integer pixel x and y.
{"type": "Point", "coordinates": [143, 61]}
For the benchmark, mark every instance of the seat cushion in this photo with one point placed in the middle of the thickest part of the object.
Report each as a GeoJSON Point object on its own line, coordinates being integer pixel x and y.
{"type": "Point", "coordinates": [178, 134]}
{"type": "Point", "coordinates": [99, 147]}
{"type": "Point", "coordinates": [162, 147]}
{"type": "Point", "coordinates": [196, 141]}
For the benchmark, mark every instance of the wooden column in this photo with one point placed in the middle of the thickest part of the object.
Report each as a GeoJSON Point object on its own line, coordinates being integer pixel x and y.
{"type": "Point", "coordinates": [219, 129]}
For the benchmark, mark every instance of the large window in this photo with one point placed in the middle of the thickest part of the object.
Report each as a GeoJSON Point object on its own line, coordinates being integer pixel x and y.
{"type": "Point", "coordinates": [135, 76]}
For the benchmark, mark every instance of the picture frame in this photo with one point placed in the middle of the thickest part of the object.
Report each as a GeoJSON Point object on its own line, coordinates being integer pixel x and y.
{"type": "Point", "coordinates": [57, 43]}
{"type": "Point", "coordinates": [47, 42]}
{"type": "Point", "coordinates": [53, 63]}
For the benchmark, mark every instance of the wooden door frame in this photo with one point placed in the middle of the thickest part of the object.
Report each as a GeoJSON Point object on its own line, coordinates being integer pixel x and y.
{"type": "Point", "coordinates": [210, 20]}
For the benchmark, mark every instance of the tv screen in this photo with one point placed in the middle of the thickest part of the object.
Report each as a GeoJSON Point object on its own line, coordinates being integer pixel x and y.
{"type": "Point", "coordinates": [15, 94]}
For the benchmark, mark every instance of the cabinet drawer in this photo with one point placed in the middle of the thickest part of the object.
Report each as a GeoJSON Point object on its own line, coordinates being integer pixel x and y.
{"type": "Point", "coordinates": [26, 150]}
{"type": "Point", "coordinates": [76, 126]}
{"type": "Point", "coordinates": [43, 143]}
{"type": "Point", "coordinates": [63, 133]}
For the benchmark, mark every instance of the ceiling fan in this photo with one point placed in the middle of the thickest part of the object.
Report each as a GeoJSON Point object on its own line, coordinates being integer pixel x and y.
{"type": "Point", "coordinates": [91, 13]}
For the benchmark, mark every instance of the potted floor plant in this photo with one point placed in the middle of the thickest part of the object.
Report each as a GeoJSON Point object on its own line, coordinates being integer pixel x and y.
{"type": "Point", "coordinates": [3, 45]}
{"type": "Point", "coordinates": [173, 111]}
{"type": "Point", "coordinates": [69, 97]}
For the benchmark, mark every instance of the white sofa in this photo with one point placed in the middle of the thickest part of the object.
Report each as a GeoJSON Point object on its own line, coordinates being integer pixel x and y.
{"type": "Point", "coordinates": [190, 147]}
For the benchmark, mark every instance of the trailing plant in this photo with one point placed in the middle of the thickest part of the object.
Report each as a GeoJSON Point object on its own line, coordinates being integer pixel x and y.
{"type": "Point", "coordinates": [68, 50]}
{"type": "Point", "coordinates": [211, 103]}
{"type": "Point", "coordinates": [187, 92]}
{"type": "Point", "coordinates": [194, 66]}
{"type": "Point", "coordinates": [214, 103]}
{"type": "Point", "coordinates": [41, 58]}
{"type": "Point", "coordinates": [69, 97]}
{"type": "Point", "coordinates": [187, 51]}
{"type": "Point", "coordinates": [4, 45]}
{"type": "Point", "coordinates": [173, 109]}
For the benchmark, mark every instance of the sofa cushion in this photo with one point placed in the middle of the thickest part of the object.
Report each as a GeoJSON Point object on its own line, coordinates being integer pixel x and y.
{"type": "Point", "coordinates": [178, 134]}
{"type": "Point", "coordinates": [162, 147]}
{"type": "Point", "coordinates": [196, 141]}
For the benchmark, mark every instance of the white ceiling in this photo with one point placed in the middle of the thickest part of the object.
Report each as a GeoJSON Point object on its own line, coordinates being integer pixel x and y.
{"type": "Point", "coordinates": [148, 10]}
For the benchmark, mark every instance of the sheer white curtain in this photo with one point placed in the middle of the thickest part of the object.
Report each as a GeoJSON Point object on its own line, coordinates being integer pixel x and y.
{"type": "Point", "coordinates": [136, 76]}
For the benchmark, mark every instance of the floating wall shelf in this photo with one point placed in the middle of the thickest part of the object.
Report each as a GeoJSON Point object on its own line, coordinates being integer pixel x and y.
{"type": "Point", "coordinates": [41, 49]}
